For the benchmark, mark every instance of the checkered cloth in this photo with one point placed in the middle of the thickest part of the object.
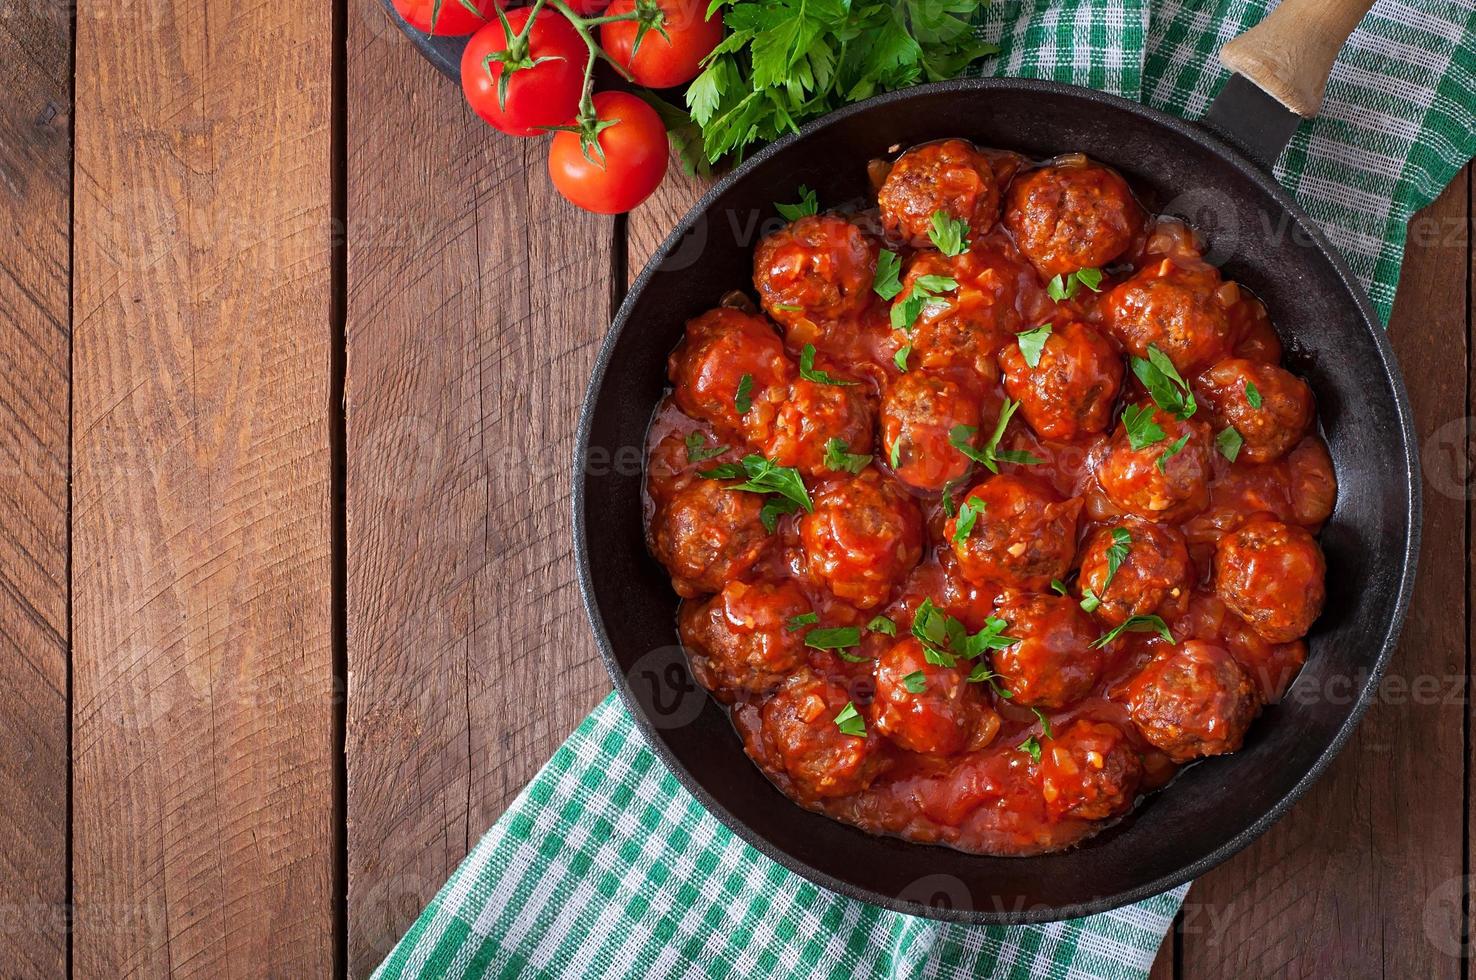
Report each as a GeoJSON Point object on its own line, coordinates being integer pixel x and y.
{"type": "Point", "coordinates": [605, 867]}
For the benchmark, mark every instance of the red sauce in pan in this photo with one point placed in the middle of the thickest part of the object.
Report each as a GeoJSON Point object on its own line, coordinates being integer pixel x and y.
{"type": "Point", "coordinates": [996, 644]}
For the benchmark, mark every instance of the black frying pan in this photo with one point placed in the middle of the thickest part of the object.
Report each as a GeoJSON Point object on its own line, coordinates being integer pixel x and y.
{"type": "Point", "coordinates": [1332, 338]}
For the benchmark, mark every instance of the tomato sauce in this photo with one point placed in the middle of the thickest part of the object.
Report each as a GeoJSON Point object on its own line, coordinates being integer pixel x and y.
{"type": "Point", "coordinates": [994, 510]}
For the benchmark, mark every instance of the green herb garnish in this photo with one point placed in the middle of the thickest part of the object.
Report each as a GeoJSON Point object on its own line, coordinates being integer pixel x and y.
{"type": "Point", "coordinates": [887, 282]}
{"type": "Point", "coordinates": [961, 437]}
{"type": "Point", "coordinates": [900, 359]}
{"type": "Point", "coordinates": [967, 515]}
{"type": "Point", "coordinates": [1136, 624]}
{"type": "Point", "coordinates": [849, 721]}
{"type": "Point", "coordinates": [1065, 286]}
{"type": "Point", "coordinates": [1228, 442]}
{"type": "Point", "coordinates": [1117, 553]}
{"type": "Point", "coordinates": [1173, 450]}
{"type": "Point", "coordinates": [698, 451]}
{"type": "Point", "coordinates": [808, 204]}
{"type": "Point", "coordinates": [808, 372]}
{"type": "Point", "coordinates": [743, 399]}
{"type": "Point", "coordinates": [1252, 394]}
{"type": "Point", "coordinates": [915, 682]}
{"type": "Point", "coordinates": [839, 458]}
{"type": "Point", "coordinates": [797, 623]}
{"type": "Point", "coordinates": [881, 624]}
{"type": "Point", "coordinates": [1161, 378]}
{"type": "Point", "coordinates": [924, 290]}
{"type": "Point", "coordinates": [1032, 343]}
{"type": "Point", "coordinates": [1142, 431]}
{"type": "Point", "coordinates": [948, 233]}
{"type": "Point", "coordinates": [834, 637]}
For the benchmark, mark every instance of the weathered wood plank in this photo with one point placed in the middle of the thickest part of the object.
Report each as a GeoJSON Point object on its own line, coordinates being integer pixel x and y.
{"type": "Point", "coordinates": [35, 328]}
{"type": "Point", "coordinates": [201, 567]}
{"type": "Point", "coordinates": [477, 300]}
{"type": "Point", "coordinates": [1350, 883]}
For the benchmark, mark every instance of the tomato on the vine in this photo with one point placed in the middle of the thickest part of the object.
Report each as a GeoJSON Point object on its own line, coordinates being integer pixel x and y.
{"type": "Point", "coordinates": [587, 8]}
{"type": "Point", "coordinates": [453, 18]}
{"type": "Point", "coordinates": [627, 165]}
{"type": "Point", "coordinates": [520, 85]}
{"type": "Point", "coordinates": [661, 61]}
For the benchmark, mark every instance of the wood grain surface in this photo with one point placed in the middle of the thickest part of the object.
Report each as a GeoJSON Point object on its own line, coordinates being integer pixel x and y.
{"type": "Point", "coordinates": [35, 332]}
{"type": "Point", "coordinates": [476, 302]}
{"type": "Point", "coordinates": [202, 657]}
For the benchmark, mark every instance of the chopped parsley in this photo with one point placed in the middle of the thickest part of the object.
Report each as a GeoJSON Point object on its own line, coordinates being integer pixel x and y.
{"type": "Point", "coordinates": [1162, 379]}
{"type": "Point", "coordinates": [797, 623]}
{"type": "Point", "coordinates": [808, 204]}
{"type": "Point", "coordinates": [968, 513]}
{"type": "Point", "coordinates": [766, 476]}
{"type": "Point", "coordinates": [1174, 449]}
{"type": "Point", "coordinates": [1117, 553]}
{"type": "Point", "coordinates": [743, 399]}
{"type": "Point", "coordinates": [809, 373]}
{"type": "Point", "coordinates": [1142, 431]}
{"type": "Point", "coordinates": [881, 624]}
{"type": "Point", "coordinates": [1228, 442]}
{"type": "Point", "coordinates": [887, 282]}
{"type": "Point", "coordinates": [1058, 586]}
{"type": "Point", "coordinates": [788, 307]}
{"type": "Point", "coordinates": [896, 456]}
{"type": "Point", "coordinates": [849, 721]}
{"type": "Point", "coordinates": [961, 437]}
{"type": "Point", "coordinates": [945, 640]}
{"type": "Point", "coordinates": [1089, 599]}
{"type": "Point", "coordinates": [915, 682]}
{"type": "Point", "coordinates": [901, 357]}
{"type": "Point", "coordinates": [698, 451]}
{"type": "Point", "coordinates": [1136, 624]}
{"type": "Point", "coordinates": [1031, 746]}
{"type": "Point", "coordinates": [834, 637]}
{"type": "Point", "coordinates": [1065, 286]}
{"type": "Point", "coordinates": [773, 509]}
{"type": "Point", "coordinates": [1252, 394]}
{"type": "Point", "coordinates": [924, 290]}
{"type": "Point", "coordinates": [839, 458]}
{"type": "Point", "coordinates": [948, 234]}
{"type": "Point", "coordinates": [1032, 344]}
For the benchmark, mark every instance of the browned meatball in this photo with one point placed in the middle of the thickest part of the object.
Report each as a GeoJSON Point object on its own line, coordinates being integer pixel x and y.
{"type": "Point", "coordinates": [1193, 701]}
{"type": "Point", "coordinates": [1312, 482]}
{"type": "Point", "coordinates": [810, 417]}
{"type": "Point", "coordinates": [1023, 535]}
{"type": "Point", "coordinates": [706, 535]}
{"type": "Point", "coordinates": [1071, 390]}
{"type": "Point", "coordinates": [1089, 771]}
{"type": "Point", "coordinates": [1273, 576]}
{"type": "Point", "coordinates": [800, 730]}
{"type": "Point", "coordinates": [950, 176]}
{"type": "Point", "coordinates": [1054, 664]}
{"type": "Point", "coordinates": [1176, 309]}
{"type": "Point", "coordinates": [1269, 406]}
{"type": "Point", "coordinates": [819, 268]}
{"type": "Point", "coordinates": [929, 708]}
{"type": "Point", "coordinates": [962, 327]}
{"type": "Point", "coordinates": [1175, 491]}
{"type": "Point", "coordinates": [738, 640]}
{"type": "Point", "coordinates": [862, 538]}
{"type": "Point", "coordinates": [918, 412]}
{"type": "Point", "coordinates": [1153, 570]}
{"type": "Point", "coordinates": [720, 348]}
{"type": "Point", "coordinates": [1070, 215]}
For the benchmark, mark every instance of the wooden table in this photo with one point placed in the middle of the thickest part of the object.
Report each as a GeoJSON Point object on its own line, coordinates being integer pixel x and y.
{"type": "Point", "coordinates": [293, 346]}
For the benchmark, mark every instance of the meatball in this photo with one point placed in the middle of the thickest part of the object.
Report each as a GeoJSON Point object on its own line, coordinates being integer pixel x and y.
{"type": "Point", "coordinates": [800, 730]}
{"type": "Point", "coordinates": [738, 642]}
{"type": "Point", "coordinates": [1150, 482]}
{"type": "Point", "coordinates": [1070, 215]}
{"type": "Point", "coordinates": [1054, 664]}
{"type": "Point", "coordinates": [819, 268]}
{"type": "Point", "coordinates": [950, 176]}
{"type": "Point", "coordinates": [862, 538]}
{"type": "Point", "coordinates": [1071, 390]}
{"type": "Point", "coordinates": [1269, 406]}
{"type": "Point", "coordinates": [963, 327]}
{"type": "Point", "coordinates": [1153, 571]}
{"type": "Point", "coordinates": [810, 417]}
{"type": "Point", "coordinates": [918, 412]}
{"type": "Point", "coordinates": [1023, 535]}
{"type": "Point", "coordinates": [706, 535]}
{"type": "Point", "coordinates": [1193, 701]}
{"type": "Point", "coordinates": [1089, 771]}
{"type": "Point", "coordinates": [1311, 482]}
{"type": "Point", "coordinates": [722, 347]}
{"type": "Point", "coordinates": [1272, 575]}
{"type": "Point", "coordinates": [1174, 308]}
{"type": "Point", "coordinates": [929, 708]}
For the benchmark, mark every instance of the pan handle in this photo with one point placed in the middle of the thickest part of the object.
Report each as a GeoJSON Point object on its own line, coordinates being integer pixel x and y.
{"type": "Point", "coordinates": [1290, 54]}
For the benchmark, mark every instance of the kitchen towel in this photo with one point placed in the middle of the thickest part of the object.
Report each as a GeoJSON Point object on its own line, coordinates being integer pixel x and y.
{"type": "Point", "coordinates": [604, 867]}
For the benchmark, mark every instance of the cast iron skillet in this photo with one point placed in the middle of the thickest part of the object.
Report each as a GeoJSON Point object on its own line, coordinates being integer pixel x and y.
{"type": "Point", "coordinates": [1263, 240]}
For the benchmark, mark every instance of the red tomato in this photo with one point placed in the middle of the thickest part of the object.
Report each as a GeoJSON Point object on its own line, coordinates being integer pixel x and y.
{"type": "Point", "coordinates": [634, 157]}
{"type": "Point", "coordinates": [660, 63]}
{"type": "Point", "coordinates": [587, 8]}
{"type": "Point", "coordinates": [454, 18]}
{"type": "Point", "coordinates": [539, 93]}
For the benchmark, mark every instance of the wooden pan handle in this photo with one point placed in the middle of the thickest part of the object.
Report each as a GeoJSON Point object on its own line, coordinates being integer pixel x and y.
{"type": "Point", "coordinates": [1290, 54]}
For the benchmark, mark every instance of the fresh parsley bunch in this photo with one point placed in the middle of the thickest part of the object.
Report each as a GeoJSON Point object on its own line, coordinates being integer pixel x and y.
{"type": "Point", "coordinates": [786, 61]}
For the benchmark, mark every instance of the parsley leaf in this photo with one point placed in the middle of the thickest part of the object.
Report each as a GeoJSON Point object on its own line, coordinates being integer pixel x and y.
{"type": "Point", "coordinates": [850, 722]}
{"type": "Point", "coordinates": [839, 459]}
{"type": "Point", "coordinates": [1161, 378]}
{"type": "Point", "coordinates": [808, 204]}
{"type": "Point", "coordinates": [883, 625]}
{"type": "Point", "coordinates": [887, 282]}
{"type": "Point", "coordinates": [896, 455]}
{"type": "Point", "coordinates": [1065, 286]}
{"type": "Point", "coordinates": [1135, 624]}
{"type": "Point", "coordinates": [1032, 344]}
{"type": "Point", "coordinates": [915, 682]}
{"type": "Point", "coordinates": [924, 289]}
{"type": "Point", "coordinates": [1228, 442]}
{"type": "Point", "coordinates": [1173, 450]}
{"type": "Point", "coordinates": [1089, 600]}
{"type": "Point", "coordinates": [766, 476]}
{"type": "Point", "coordinates": [1058, 586]}
{"type": "Point", "coordinates": [901, 357]}
{"type": "Point", "coordinates": [743, 399]}
{"type": "Point", "coordinates": [961, 437]}
{"type": "Point", "coordinates": [967, 515]}
{"type": "Point", "coordinates": [698, 451]}
{"type": "Point", "coordinates": [808, 372]}
{"type": "Point", "coordinates": [1252, 394]}
{"type": "Point", "coordinates": [799, 622]}
{"type": "Point", "coordinates": [773, 509]}
{"type": "Point", "coordinates": [948, 233]}
{"type": "Point", "coordinates": [1142, 431]}
{"type": "Point", "coordinates": [1117, 553]}
{"type": "Point", "coordinates": [834, 638]}
{"type": "Point", "coordinates": [1031, 747]}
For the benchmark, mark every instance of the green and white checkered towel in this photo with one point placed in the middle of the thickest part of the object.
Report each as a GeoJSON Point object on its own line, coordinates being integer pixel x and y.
{"type": "Point", "coordinates": [605, 867]}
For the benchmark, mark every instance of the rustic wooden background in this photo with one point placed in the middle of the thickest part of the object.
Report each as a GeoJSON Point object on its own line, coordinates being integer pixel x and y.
{"type": "Point", "coordinates": [292, 351]}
